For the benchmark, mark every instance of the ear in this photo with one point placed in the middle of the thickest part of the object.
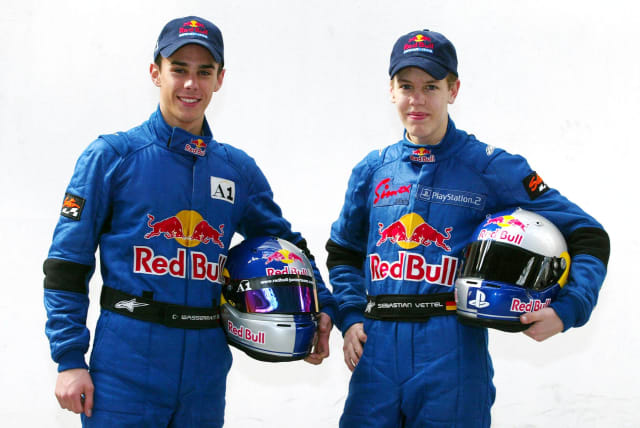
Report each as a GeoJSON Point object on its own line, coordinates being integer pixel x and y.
{"type": "Point", "coordinates": [453, 92]}
{"type": "Point", "coordinates": [391, 91]}
{"type": "Point", "coordinates": [154, 72]}
{"type": "Point", "coordinates": [219, 79]}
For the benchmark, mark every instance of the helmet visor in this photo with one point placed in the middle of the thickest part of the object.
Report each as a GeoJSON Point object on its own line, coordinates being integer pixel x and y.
{"type": "Point", "coordinates": [500, 262]}
{"type": "Point", "coordinates": [280, 294]}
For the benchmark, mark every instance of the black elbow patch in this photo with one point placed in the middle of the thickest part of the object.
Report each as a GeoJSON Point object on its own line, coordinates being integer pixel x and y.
{"type": "Point", "coordinates": [339, 255]}
{"type": "Point", "coordinates": [67, 276]}
{"type": "Point", "coordinates": [590, 240]}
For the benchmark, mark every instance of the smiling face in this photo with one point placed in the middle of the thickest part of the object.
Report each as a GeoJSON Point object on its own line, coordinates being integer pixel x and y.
{"type": "Point", "coordinates": [422, 104]}
{"type": "Point", "coordinates": [187, 81]}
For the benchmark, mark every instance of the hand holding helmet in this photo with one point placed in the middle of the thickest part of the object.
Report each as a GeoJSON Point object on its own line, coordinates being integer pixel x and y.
{"type": "Point", "coordinates": [516, 263]}
{"type": "Point", "coordinates": [269, 305]}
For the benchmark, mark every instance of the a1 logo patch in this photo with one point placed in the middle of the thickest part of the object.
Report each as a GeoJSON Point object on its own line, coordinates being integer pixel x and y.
{"type": "Point", "coordinates": [223, 189]}
{"type": "Point", "coordinates": [72, 206]}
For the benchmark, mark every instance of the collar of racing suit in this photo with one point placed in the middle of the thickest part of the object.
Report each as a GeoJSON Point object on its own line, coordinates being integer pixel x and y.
{"type": "Point", "coordinates": [179, 140]}
{"type": "Point", "coordinates": [432, 153]}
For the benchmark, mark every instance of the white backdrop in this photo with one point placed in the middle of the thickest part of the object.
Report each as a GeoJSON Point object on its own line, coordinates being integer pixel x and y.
{"type": "Point", "coordinates": [306, 94]}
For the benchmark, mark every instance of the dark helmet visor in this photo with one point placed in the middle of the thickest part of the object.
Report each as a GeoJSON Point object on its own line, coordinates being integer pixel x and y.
{"type": "Point", "coordinates": [500, 262]}
{"type": "Point", "coordinates": [281, 294]}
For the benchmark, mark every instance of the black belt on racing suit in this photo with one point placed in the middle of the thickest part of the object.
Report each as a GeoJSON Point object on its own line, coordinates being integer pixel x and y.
{"type": "Point", "coordinates": [409, 307]}
{"type": "Point", "coordinates": [144, 308]}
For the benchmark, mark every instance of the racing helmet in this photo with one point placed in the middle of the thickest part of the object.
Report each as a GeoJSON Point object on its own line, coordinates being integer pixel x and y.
{"type": "Point", "coordinates": [269, 303]}
{"type": "Point", "coordinates": [516, 262]}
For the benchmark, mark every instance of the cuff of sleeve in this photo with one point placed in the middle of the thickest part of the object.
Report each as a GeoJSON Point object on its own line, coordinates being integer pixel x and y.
{"type": "Point", "coordinates": [349, 317]}
{"type": "Point", "coordinates": [565, 309]}
{"type": "Point", "coordinates": [71, 360]}
{"type": "Point", "coordinates": [331, 311]}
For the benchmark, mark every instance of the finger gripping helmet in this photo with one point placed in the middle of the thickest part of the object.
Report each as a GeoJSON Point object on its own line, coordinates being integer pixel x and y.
{"type": "Point", "coordinates": [516, 262]}
{"type": "Point", "coordinates": [269, 302]}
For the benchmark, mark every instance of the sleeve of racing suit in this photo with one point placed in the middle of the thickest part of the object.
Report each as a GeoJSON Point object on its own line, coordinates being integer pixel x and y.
{"type": "Point", "coordinates": [347, 247]}
{"type": "Point", "coordinates": [264, 217]}
{"type": "Point", "coordinates": [587, 241]}
{"type": "Point", "coordinates": [71, 259]}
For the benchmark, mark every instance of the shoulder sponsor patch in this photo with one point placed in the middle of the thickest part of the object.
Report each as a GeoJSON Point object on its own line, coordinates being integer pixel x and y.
{"type": "Point", "coordinates": [223, 189]}
{"type": "Point", "coordinates": [534, 185]}
{"type": "Point", "coordinates": [72, 206]}
{"type": "Point", "coordinates": [452, 197]}
{"type": "Point", "coordinates": [387, 193]}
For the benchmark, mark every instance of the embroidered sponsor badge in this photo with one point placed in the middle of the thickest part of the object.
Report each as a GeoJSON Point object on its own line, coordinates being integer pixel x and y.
{"type": "Point", "coordinates": [534, 185]}
{"type": "Point", "coordinates": [72, 206]}
{"type": "Point", "coordinates": [386, 193]}
{"type": "Point", "coordinates": [197, 147]}
{"type": "Point", "coordinates": [223, 189]}
{"type": "Point", "coordinates": [452, 197]}
{"type": "Point", "coordinates": [422, 155]}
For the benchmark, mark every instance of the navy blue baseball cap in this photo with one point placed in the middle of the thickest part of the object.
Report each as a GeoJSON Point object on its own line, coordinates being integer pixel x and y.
{"type": "Point", "coordinates": [427, 50]}
{"type": "Point", "coordinates": [190, 30]}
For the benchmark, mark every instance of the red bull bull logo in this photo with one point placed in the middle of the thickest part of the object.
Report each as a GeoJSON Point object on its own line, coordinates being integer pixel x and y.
{"type": "Point", "coordinates": [419, 38]}
{"type": "Point", "coordinates": [287, 257]}
{"type": "Point", "coordinates": [189, 229]}
{"type": "Point", "coordinates": [197, 147]}
{"type": "Point", "coordinates": [419, 42]}
{"type": "Point", "coordinates": [283, 256]}
{"type": "Point", "coordinates": [411, 231]}
{"type": "Point", "coordinates": [506, 221]}
{"type": "Point", "coordinates": [193, 27]}
{"type": "Point", "coordinates": [422, 155]}
{"type": "Point", "coordinates": [507, 231]}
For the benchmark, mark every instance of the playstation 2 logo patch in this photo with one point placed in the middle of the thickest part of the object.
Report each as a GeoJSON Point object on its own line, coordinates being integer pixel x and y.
{"type": "Point", "coordinates": [72, 206]}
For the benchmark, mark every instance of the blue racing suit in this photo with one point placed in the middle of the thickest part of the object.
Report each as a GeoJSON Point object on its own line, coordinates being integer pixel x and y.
{"type": "Point", "coordinates": [408, 213]}
{"type": "Point", "coordinates": [162, 206]}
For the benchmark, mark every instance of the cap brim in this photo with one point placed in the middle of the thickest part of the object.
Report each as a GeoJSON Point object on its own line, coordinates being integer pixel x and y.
{"type": "Point", "coordinates": [169, 50]}
{"type": "Point", "coordinates": [433, 68]}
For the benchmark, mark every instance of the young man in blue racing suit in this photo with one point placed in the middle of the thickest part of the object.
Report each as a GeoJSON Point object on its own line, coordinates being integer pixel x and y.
{"type": "Point", "coordinates": [409, 210]}
{"type": "Point", "coordinates": [162, 201]}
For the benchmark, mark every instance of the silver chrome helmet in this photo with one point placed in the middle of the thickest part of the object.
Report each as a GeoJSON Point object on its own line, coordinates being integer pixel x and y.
{"type": "Point", "coordinates": [269, 305]}
{"type": "Point", "coordinates": [516, 262]}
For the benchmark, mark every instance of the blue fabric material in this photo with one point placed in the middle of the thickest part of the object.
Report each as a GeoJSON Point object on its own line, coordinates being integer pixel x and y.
{"type": "Point", "coordinates": [162, 206]}
{"type": "Point", "coordinates": [412, 209]}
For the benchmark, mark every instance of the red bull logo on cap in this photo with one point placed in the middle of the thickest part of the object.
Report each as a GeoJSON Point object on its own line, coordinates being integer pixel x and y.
{"type": "Point", "coordinates": [419, 42]}
{"type": "Point", "coordinates": [193, 27]}
{"type": "Point", "coordinates": [411, 231]}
